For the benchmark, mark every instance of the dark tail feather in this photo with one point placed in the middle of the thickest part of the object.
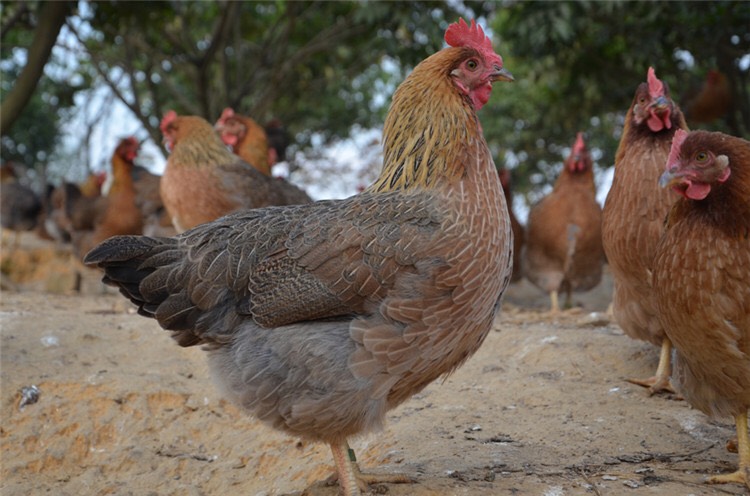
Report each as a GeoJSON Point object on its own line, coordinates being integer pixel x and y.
{"type": "Point", "coordinates": [124, 260]}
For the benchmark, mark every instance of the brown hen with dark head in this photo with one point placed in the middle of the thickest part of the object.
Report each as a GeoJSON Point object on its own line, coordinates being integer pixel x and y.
{"type": "Point", "coordinates": [702, 278]}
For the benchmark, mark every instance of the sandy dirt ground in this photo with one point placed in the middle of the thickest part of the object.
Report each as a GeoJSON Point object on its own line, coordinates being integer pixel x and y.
{"type": "Point", "coordinates": [542, 409]}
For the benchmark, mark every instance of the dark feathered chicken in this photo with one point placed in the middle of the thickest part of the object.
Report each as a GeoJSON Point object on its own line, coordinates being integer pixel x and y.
{"type": "Point", "coordinates": [320, 318]}
{"type": "Point", "coordinates": [21, 206]}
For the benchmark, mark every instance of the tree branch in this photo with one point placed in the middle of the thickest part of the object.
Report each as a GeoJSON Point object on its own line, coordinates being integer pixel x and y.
{"type": "Point", "coordinates": [51, 18]}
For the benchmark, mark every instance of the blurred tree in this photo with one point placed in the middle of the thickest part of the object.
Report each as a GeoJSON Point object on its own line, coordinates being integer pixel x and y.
{"type": "Point", "coordinates": [315, 65]}
{"type": "Point", "coordinates": [35, 96]}
{"type": "Point", "coordinates": [578, 64]}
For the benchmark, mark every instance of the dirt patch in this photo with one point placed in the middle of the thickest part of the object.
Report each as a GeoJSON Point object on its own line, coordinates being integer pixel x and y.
{"type": "Point", "coordinates": [542, 408]}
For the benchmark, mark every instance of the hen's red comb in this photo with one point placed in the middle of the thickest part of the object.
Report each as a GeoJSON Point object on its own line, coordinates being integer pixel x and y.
{"type": "Point", "coordinates": [460, 34]}
{"type": "Point", "coordinates": [674, 152]}
{"type": "Point", "coordinates": [655, 87]}
{"type": "Point", "coordinates": [227, 113]}
{"type": "Point", "coordinates": [579, 145]}
{"type": "Point", "coordinates": [169, 117]}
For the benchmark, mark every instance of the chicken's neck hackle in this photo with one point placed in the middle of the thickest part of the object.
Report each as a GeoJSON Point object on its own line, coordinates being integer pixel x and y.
{"type": "Point", "coordinates": [430, 128]}
{"type": "Point", "coordinates": [196, 144]}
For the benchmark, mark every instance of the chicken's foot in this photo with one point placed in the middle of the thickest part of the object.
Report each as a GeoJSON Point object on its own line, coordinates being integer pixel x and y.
{"type": "Point", "coordinates": [742, 475]}
{"type": "Point", "coordinates": [660, 381]}
{"type": "Point", "coordinates": [354, 482]}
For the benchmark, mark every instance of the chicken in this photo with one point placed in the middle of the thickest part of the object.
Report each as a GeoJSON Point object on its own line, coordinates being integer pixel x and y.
{"type": "Point", "coordinates": [156, 220]}
{"type": "Point", "coordinates": [516, 227]}
{"type": "Point", "coordinates": [203, 180]}
{"type": "Point", "coordinates": [701, 278]}
{"type": "Point", "coordinates": [633, 218]}
{"type": "Point", "coordinates": [320, 318]}
{"type": "Point", "coordinates": [246, 137]}
{"type": "Point", "coordinates": [21, 206]}
{"type": "Point", "coordinates": [563, 234]}
{"type": "Point", "coordinates": [121, 215]}
{"type": "Point", "coordinates": [711, 102]}
{"type": "Point", "coordinates": [278, 141]}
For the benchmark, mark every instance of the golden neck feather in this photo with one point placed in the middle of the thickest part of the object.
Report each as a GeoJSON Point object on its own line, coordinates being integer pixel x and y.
{"type": "Point", "coordinates": [429, 128]}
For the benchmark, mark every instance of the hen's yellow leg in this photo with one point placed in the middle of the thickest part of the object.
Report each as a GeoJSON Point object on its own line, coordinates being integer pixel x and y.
{"type": "Point", "coordinates": [553, 299]}
{"type": "Point", "coordinates": [742, 475]}
{"type": "Point", "coordinates": [660, 381]}
{"type": "Point", "coordinates": [351, 480]}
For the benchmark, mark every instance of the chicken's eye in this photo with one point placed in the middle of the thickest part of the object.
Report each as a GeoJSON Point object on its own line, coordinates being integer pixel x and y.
{"type": "Point", "coordinates": [701, 156]}
{"type": "Point", "coordinates": [471, 64]}
{"type": "Point", "coordinates": [642, 100]}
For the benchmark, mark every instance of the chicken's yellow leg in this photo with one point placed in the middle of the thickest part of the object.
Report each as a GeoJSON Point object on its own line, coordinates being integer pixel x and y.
{"type": "Point", "coordinates": [555, 305]}
{"type": "Point", "coordinates": [742, 475]}
{"type": "Point", "coordinates": [351, 479]}
{"type": "Point", "coordinates": [660, 381]}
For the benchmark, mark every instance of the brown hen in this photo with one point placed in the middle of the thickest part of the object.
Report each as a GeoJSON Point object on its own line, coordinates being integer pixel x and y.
{"type": "Point", "coordinates": [247, 139]}
{"type": "Point", "coordinates": [702, 279]}
{"type": "Point", "coordinates": [563, 250]}
{"type": "Point", "coordinates": [633, 217]}
{"type": "Point", "coordinates": [320, 318]}
{"type": "Point", "coordinates": [203, 180]}
{"type": "Point", "coordinates": [120, 214]}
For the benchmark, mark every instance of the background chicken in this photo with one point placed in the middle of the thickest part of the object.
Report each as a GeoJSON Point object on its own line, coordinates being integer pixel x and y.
{"type": "Point", "coordinates": [563, 234]}
{"type": "Point", "coordinates": [21, 206]}
{"type": "Point", "coordinates": [203, 180]}
{"type": "Point", "coordinates": [702, 278]}
{"type": "Point", "coordinates": [634, 214]}
{"type": "Point", "coordinates": [516, 227]}
{"type": "Point", "coordinates": [121, 214]}
{"type": "Point", "coordinates": [247, 139]}
{"type": "Point", "coordinates": [712, 101]}
{"type": "Point", "coordinates": [322, 317]}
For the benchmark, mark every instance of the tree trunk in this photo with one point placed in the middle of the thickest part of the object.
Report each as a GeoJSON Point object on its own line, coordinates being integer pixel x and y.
{"type": "Point", "coordinates": [51, 18]}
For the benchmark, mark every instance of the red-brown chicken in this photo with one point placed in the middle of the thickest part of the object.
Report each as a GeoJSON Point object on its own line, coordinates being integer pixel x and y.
{"type": "Point", "coordinates": [121, 214]}
{"type": "Point", "coordinates": [634, 214]}
{"type": "Point", "coordinates": [247, 139]}
{"type": "Point", "coordinates": [203, 180]}
{"type": "Point", "coordinates": [702, 279]}
{"type": "Point", "coordinates": [516, 227]}
{"type": "Point", "coordinates": [564, 232]}
{"type": "Point", "coordinates": [712, 101]}
{"type": "Point", "coordinates": [320, 318]}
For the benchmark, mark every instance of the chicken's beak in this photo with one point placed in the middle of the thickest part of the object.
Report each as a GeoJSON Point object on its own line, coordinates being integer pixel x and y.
{"type": "Point", "coordinates": [670, 178]}
{"type": "Point", "coordinates": [660, 103]}
{"type": "Point", "coordinates": [501, 74]}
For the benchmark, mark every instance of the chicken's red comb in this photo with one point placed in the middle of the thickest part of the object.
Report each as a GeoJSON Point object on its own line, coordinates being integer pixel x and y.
{"type": "Point", "coordinates": [655, 86]}
{"type": "Point", "coordinates": [460, 34]}
{"type": "Point", "coordinates": [674, 152]}
{"type": "Point", "coordinates": [227, 113]}
{"type": "Point", "coordinates": [130, 140]}
{"type": "Point", "coordinates": [579, 146]}
{"type": "Point", "coordinates": [169, 117]}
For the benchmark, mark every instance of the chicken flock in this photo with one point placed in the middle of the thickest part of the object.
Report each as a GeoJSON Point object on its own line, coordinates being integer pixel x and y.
{"type": "Point", "coordinates": [320, 317]}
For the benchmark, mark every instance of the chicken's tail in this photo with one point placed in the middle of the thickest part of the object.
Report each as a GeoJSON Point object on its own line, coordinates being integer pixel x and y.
{"type": "Point", "coordinates": [127, 261]}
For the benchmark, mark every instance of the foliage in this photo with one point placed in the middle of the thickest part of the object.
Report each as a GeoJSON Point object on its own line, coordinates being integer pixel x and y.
{"type": "Point", "coordinates": [314, 65]}
{"type": "Point", "coordinates": [34, 136]}
{"type": "Point", "coordinates": [578, 64]}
